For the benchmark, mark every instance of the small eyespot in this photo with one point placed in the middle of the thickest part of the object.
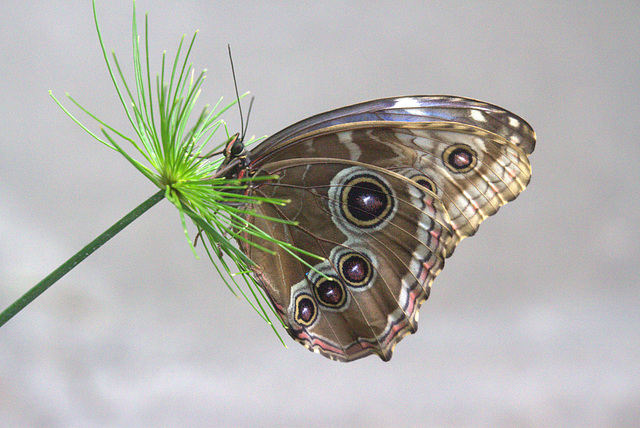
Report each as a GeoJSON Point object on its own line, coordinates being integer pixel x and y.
{"type": "Point", "coordinates": [355, 269]}
{"type": "Point", "coordinates": [330, 292]}
{"type": "Point", "coordinates": [305, 310]}
{"type": "Point", "coordinates": [459, 158]}
{"type": "Point", "coordinates": [425, 181]}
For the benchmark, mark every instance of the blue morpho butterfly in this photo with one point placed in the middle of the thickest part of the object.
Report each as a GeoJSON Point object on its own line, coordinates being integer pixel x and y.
{"type": "Point", "coordinates": [384, 190]}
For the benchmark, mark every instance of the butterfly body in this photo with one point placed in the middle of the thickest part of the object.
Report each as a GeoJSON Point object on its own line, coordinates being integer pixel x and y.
{"type": "Point", "coordinates": [383, 191]}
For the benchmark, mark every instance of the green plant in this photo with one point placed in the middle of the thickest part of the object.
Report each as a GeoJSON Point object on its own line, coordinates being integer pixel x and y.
{"type": "Point", "coordinates": [172, 146]}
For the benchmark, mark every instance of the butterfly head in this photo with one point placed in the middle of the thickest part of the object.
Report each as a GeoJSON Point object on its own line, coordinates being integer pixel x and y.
{"type": "Point", "coordinates": [234, 149]}
{"type": "Point", "coordinates": [236, 160]}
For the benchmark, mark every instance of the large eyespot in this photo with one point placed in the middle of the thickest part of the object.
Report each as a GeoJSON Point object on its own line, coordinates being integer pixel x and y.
{"type": "Point", "coordinates": [355, 269]}
{"type": "Point", "coordinates": [425, 181]}
{"type": "Point", "coordinates": [330, 292]}
{"type": "Point", "coordinates": [459, 158]}
{"type": "Point", "coordinates": [366, 201]}
{"type": "Point", "coordinates": [306, 311]}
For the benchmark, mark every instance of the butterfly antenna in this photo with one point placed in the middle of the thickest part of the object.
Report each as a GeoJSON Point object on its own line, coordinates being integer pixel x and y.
{"type": "Point", "coordinates": [249, 113]}
{"type": "Point", "coordinates": [235, 84]}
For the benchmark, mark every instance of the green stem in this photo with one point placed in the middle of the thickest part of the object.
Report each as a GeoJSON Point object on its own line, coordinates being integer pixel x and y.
{"type": "Point", "coordinates": [40, 287]}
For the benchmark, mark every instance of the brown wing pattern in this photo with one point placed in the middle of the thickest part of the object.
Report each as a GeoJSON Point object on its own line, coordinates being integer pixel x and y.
{"type": "Point", "coordinates": [474, 172]}
{"type": "Point", "coordinates": [384, 191]}
{"type": "Point", "coordinates": [383, 237]}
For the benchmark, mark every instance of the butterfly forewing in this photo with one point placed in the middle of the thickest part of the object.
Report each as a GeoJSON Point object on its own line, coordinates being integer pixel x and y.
{"type": "Point", "coordinates": [422, 109]}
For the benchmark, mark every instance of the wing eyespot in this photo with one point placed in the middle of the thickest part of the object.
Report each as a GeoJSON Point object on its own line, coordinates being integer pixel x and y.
{"type": "Point", "coordinates": [306, 310]}
{"type": "Point", "coordinates": [460, 158]}
{"type": "Point", "coordinates": [366, 201]}
{"type": "Point", "coordinates": [330, 292]}
{"type": "Point", "coordinates": [425, 182]}
{"type": "Point", "coordinates": [355, 269]}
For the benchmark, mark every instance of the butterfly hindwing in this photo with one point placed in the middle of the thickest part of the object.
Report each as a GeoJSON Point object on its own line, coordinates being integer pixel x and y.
{"type": "Point", "coordinates": [383, 238]}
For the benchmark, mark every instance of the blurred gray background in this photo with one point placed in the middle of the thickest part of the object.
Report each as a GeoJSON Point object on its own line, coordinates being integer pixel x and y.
{"type": "Point", "coordinates": [533, 322]}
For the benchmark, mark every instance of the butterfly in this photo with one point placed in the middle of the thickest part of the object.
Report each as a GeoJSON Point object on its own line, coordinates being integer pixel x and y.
{"type": "Point", "coordinates": [384, 191]}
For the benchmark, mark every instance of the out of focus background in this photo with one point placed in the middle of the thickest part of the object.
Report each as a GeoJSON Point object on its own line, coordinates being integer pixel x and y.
{"type": "Point", "coordinates": [534, 321]}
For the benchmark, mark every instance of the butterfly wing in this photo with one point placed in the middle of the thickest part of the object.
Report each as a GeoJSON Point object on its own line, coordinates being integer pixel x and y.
{"type": "Point", "coordinates": [383, 238]}
{"type": "Point", "coordinates": [443, 164]}
{"type": "Point", "coordinates": [425, 108]}
{"type": "Point", "coordinates": [473, 171]}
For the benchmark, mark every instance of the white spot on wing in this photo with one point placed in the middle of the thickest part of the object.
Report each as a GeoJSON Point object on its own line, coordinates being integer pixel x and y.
{"type": "Point", "coordinates": [478, 116]}
{"type": "Point", "coordinates": [346, 138]}
{"type": "Point", "coordinates": [480, 143]}
{"type": "Point", "coordinates": [406, 103]}
{"type": "Point", "coordinates": [513, 122]}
